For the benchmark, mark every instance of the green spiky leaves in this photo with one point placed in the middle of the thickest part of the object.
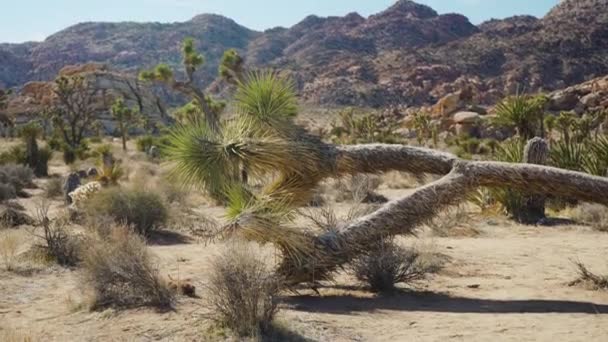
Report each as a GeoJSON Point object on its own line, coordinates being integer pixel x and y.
{"type": "Point", "coordinates": [161, 73]}
{"type": "Point", "coordinates": [267, 99]}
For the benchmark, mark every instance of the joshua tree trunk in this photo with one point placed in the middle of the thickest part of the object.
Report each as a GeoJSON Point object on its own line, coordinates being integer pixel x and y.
{"type": "Point", "coordinates": [332, 250]}
{"type": "Point", "coordinates": [533, 211]}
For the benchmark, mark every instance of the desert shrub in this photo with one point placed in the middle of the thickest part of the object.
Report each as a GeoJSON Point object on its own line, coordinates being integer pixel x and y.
{"type": "Point", "coordinates": [58, 243]}
{"type": "Point", "coordinates": [41, 165]}
{"type": "Point", "coordinates": [369, 128]}
{"type": "Point", "coordinates": [54, 187]}
{"type": "Point", "coordinates": [450, 220]}
{"type": "Point", "coordinates": [590, 279]}
{"type": "Point", "coordinates": [144, 143]}
{"type": "Point", "coordinates": [387, 264]}
{"type": "Point", "coordinates": [242, 291]}
{"type": "Point", "coordinates": [120, 272]}
{"type": "Point", "coordinates": [9, 246]}
{"type": "Point", "coordinates": [145, 211]}
{"type": "Point", "coordinates": [15, 155]}
{"type": "Point", "coordinates": [593, 214]}
{"type": "Point", "coordinates": [360, 188]}
{"type": "Point", "coordinates": [19, 177]}
{"type": "Point", "coordinates": [7, 191]}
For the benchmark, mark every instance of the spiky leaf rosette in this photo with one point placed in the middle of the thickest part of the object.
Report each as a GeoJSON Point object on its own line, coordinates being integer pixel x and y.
{"type": "Point", "coordinates": [268, 100]}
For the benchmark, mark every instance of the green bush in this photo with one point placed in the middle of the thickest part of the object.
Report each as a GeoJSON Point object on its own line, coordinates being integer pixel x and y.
{"type": "Point", "coordinates": [143, 210]}
{"type": "Point", "coordinates": [145, 142]}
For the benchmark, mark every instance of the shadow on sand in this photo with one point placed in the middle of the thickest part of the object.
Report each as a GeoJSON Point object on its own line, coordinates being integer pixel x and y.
{"type": "Point", "coordinates": [434, 302]}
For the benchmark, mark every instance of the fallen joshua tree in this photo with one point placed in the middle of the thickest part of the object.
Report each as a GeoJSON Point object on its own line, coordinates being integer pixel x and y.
{"type": "Point", "coordinates": [263, 142]}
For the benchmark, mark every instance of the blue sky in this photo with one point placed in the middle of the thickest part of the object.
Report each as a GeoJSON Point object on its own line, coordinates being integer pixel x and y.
{"type": "Point", "coordinates": [24, 20]}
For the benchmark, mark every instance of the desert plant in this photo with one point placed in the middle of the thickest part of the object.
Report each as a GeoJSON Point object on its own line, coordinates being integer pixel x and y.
{"type": "Point", "coordinates": [121, 272]}
{"type": "Point", "coordinates": [243, 291]}
{"type": "Point", "coordinates": [588, 278]}
{"type": "Point", "coordinates": [421, 123]}
{"type": "Point", "coordinates": [127, 119]}
{"type": "Point", "coordinates": [143, 210]}
{"type": "Point", "coordinates": [109, 169]}
{"type": "Point", "coordinates": [7, 191]}
{"type": "Point", "coordinates": [54, 187]}
{"type": "Point", "coordinates": [523, 113]}
{"type": "Point", "coordinates": [387, 264]}
{"type": "Point", "coordinates": [9, 246]}
{"type": "Point", "coordinates": [58, 243]}
{"type": "Point", "coordinates": [19, 177]}
{"type": "Point", "coordinates": [290, 163]}
{"type": "Point", "coordinates": [594, 215]}
{"type": "Point", "coordinates": [352, 129]}
{"type": "Point", "coordinates": [231, 67]}
{"type": "Point", "coordinates": [192, 61]}
{"type": "Point", "coordinates": [443, 224]}
{"type": "Point", "coordinates": [73, 113]}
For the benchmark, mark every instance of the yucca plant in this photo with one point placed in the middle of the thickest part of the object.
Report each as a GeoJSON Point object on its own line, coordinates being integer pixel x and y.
{"type": "Point", "coordinates": [522, 113]}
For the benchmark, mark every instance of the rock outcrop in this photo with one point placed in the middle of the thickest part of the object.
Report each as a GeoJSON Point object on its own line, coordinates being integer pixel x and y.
{"type": "Point", "coordinates": [33, 97]}
{"type": "Point", "coordinates": [405, 55]}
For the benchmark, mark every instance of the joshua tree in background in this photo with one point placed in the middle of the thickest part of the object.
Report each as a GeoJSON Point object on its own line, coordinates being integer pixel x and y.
{"type": "Point", "coordinates": [127, 119]}
{"type": "Point", "coordinates": [232, 67]}
{"type": "Point", "coordinates": [73, 114]}
{"type": "Point", "coordinates": [5, 120]}
{"type": "Point", "coordinates": [192, 61]}
{"type": "Point", "coordinates": [264, 137]}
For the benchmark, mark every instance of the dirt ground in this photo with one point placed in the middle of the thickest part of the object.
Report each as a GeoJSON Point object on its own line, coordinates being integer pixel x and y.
{"type": "Point", "coordinates": [509, 283]}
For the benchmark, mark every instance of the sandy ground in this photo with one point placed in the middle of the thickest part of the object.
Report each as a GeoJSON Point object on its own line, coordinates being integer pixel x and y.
{"type": "Point", "coordinates": [510, 283]}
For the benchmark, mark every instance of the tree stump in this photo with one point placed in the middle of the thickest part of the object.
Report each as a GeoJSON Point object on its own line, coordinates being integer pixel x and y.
{"type": "Point", "coordinates": [533, 210]}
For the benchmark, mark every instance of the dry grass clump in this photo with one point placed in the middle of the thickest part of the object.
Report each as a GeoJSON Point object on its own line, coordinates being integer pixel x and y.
{"type": "Point", "coordinates": [590, 279]}
{"type": "Point", "coordinates": [145, 211]}
{"type": "Point", "coordinates": [387, 264]}
{"type": "Point", "coordinates": [242, 291]}
{"type": "Point", "coordinates": [403, 180]}
{"type": "Point", "coordinates": [359, 189]}
{"type": "Point", "coordinates": [453, 221]}
{"type": "Point", "coordinates": [593, 214]}
{"type": "Point", "coordinates": [9, 247]}
{"type": "Point", "coordinates": [54, 188]}
{"type": "Point", "coordinates": [120, 272]}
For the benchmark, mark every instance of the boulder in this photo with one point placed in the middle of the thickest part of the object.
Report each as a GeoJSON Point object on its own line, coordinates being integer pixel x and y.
{"type": "Point", "coordinates": [563, 100]}
{"type": "Point", "coordinates": [464, 118]}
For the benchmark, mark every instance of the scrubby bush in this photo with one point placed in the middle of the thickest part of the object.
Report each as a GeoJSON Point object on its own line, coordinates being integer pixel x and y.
{"type": "Point", "coordinates": [120, 272]}
{"type": "Point", "coordinates": [58, 243]}
{"type": "Point", "coordinates": [54, 188]}
{"type": "Point", "coordinates": [593, 214]}
{"type": "Point", "coordinates": [15, 176]}
{"type": "Point", "coordinates": [7, 191]}
{"type": "Point", "coordinates": [387, 264]}
{"type": "Point", "coordinates": [369, 128]}
{"type": "Point", "coordinates": [9, 246]}
{"type": "Point", "coordinates": [242, 291]}
{"type": "Point", "coordinates": [590, 279]}
{"type": "Point", "coordinates": [143, 210]}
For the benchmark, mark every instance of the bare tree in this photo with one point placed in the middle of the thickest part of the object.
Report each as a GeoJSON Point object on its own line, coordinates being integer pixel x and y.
{"type": "Point", "coordinates": [73, 112]}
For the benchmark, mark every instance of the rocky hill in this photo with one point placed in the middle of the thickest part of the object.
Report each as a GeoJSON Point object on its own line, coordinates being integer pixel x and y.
{"type": "Point", "coordinates": [405, 55]}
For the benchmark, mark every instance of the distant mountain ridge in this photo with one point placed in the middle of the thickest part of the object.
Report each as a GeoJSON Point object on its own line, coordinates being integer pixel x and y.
{"type": "Point", "coordinates": [405, 55]}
